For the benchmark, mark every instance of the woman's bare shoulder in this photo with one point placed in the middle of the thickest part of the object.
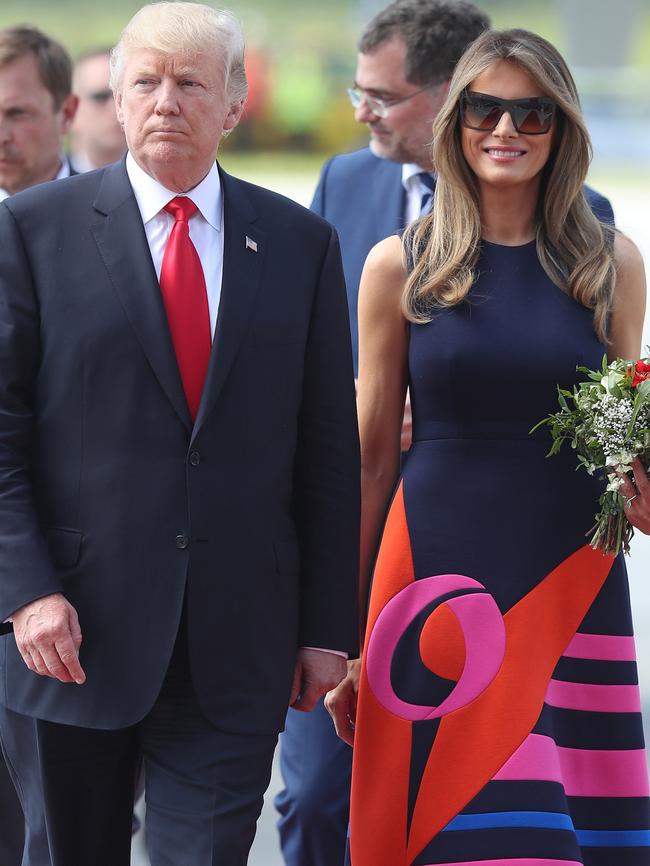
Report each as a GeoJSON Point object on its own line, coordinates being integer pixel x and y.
{"type": "Point", "coordinates": [384, 271]}
{"type": "Point", "coordinates": [626, 254]}
{"type": "Point", "coordinates": [630, 272]}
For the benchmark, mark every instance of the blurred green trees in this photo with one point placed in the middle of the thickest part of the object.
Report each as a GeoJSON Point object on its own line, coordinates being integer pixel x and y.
{"type": "Point", "coordinates": [301, 54]}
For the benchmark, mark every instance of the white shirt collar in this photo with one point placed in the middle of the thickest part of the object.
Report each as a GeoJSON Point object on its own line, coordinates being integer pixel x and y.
{"type": "Point", "coordinates": [152, 196]}
{"type": "Point", "coordinates": [64, 171]}
{"type": "Point", "coordinates": [409, 170]}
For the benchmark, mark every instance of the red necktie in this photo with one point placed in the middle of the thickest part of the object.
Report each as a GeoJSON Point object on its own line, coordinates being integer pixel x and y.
{"type": "Point", "coordinates": [186, 302]}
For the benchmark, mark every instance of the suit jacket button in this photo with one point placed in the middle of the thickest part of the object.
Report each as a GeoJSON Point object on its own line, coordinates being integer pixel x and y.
{"type": "Point", "coordinates": [195, 458]}
{"type": "Point", "coordinates": [182, 541]}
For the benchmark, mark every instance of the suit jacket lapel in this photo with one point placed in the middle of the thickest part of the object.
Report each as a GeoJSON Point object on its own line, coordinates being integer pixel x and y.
{"type": "Point", "coordinates": [242, 270]}
{"type": "Point", "coordinates": [124, 249]}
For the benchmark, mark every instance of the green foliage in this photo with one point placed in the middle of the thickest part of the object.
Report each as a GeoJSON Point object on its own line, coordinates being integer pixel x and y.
{"type": "Point", "coordinates": [606, 420]}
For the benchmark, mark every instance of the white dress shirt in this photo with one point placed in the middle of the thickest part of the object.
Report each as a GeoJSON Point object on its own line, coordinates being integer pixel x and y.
{"type": "Point", "coordinates": [415, 189]}
{"type": "Point", "coordinates": [206, 226]}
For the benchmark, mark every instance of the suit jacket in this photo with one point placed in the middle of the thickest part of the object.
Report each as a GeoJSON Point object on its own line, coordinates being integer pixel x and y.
{"type": "Point", "coordinates": [363, 197]}
{"type": "Point", "coordinates": [110, 495]}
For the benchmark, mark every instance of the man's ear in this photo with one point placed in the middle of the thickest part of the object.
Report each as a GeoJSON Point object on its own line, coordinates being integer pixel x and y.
{"type": "Point", "coordinates": [234, 115]}
{"type": "Point", "coordinates": [118, 107]}
{"type": "Point", "coordinates": [68, 110]}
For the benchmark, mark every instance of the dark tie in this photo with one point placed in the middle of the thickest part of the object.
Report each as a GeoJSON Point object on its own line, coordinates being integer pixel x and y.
{"type": "Point", "coordinates": [426, 180]}
{"type": "Point", "coordinates": [182, 284]}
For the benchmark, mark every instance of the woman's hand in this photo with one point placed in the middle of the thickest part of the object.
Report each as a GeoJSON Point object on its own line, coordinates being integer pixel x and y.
{"type": "Point", "coordinates": [637, 497]}
{"type": "Point", "coordinates": [341, 702]}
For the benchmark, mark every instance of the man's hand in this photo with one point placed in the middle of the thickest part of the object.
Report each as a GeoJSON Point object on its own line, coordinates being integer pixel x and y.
{"type": "Point", "coordinates": [316, 672]}
{"type": "Point", "coordinates": [341, 703]}
{"type": "Point", "coordinates": [48, 637]}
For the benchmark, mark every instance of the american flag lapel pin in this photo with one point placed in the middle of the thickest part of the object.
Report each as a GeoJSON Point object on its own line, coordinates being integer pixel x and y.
{"type": "Point", "coordinates": [251, 244]}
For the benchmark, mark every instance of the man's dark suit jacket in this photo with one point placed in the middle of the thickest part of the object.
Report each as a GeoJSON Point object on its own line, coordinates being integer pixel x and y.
{"type": "Point", "coordinates": [363, 197]}
{"type": "Point", "coordinates": [109, 495]}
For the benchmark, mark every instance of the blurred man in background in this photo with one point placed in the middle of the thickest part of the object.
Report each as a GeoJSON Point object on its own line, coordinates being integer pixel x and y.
{"type": "Point", "coordinates": [407, 54]}
{"type": "Point", "coordinates": [96, 137]}
{"type": "Point", "coordinates": [36, 110]}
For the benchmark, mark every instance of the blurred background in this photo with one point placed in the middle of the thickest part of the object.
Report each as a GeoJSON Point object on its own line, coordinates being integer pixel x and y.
{"type": "Point", "coordinates": [301, 57]}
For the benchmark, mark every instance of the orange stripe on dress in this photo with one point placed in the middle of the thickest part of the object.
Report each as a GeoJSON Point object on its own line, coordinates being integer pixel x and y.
{"type": "Point", "coordinates": [384, 750]}
{"type": "Point", "coordinates": [475, 741]}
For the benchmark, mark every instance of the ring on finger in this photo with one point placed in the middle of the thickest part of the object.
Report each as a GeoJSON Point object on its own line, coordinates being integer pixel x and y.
{"type": "Point", "coordinates": [629, 500]}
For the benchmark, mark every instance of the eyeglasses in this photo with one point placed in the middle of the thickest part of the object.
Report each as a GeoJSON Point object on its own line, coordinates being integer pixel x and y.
{"type": "Point", "coordinates": [100, 96]}
{"type": "Point", "coordinates": [532, 116]}
{"type": "Point", "coordinates": [378, 106]}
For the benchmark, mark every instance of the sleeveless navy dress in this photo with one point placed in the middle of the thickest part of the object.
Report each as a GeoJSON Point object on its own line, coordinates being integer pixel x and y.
{"type": "Point", "coordinates": [499, 718]}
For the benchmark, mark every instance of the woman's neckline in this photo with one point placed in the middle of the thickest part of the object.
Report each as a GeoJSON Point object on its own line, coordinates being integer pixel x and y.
{"type": "Point", "coordinates": [509, 246]}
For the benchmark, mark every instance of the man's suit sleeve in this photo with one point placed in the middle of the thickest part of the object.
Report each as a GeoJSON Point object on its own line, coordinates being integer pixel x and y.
{"type": "Point", "coordinates": [318, 202]}
{"type": "Point", "coordinates": [26, 572]}
{"type": "Point", "coordinates": [327, 487]}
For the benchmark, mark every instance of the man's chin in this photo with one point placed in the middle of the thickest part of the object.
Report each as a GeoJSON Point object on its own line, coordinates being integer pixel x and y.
{"type": "Point", "coordinates": [11, 183]}
{"type": "Point", "coordinates": [165, 152]}
{"type": "Point", "coordinates": [380, 148]}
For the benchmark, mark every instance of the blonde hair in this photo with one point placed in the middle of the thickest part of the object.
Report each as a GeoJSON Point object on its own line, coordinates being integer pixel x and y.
{"type": "Point", "coordinates": [573, 247]}
{"type": "Point", "coordinates": [173, 28]}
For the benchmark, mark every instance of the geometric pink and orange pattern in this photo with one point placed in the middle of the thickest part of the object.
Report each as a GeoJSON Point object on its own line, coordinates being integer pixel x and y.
{"type": "Point", "coordinates": [501, 668]}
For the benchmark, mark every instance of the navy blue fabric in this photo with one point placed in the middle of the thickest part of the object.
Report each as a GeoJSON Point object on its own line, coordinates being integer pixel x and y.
{"type": "Point", "coordinates": [19, 743]}
{"type": "Point", "coordinates": [363, 197]}
{"type": "Point", "coordinates": [12, 831]}
{"type": "Point", "coordinates": [482, 373]}
{"type": "Point", "coordinates": [314, 804]}
{"type": "Point", "coordinates": [204, 786]}
{"type": "Point", "coordinates": [428, 182]}
{"type": "Point", "coordinates": [22, 740]}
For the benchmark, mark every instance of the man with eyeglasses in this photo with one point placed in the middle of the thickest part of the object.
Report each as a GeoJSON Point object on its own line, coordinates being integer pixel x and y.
{"type": "Point", "coordinates": [96, 137]}
{"type": "Point", "coordinates": [407, 54]}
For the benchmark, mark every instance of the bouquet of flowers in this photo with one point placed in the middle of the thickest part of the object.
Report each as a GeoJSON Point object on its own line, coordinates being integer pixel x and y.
{"type": "Point", "coordinates": [607, 421]}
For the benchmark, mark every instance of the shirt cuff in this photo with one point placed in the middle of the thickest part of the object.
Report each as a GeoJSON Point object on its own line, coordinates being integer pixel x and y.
{"type": "Point", "coordinates": [321, 649]}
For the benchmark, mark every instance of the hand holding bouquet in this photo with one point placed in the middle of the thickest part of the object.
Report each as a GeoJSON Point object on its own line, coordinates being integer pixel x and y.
{"type": "Point", "coordinates": [607, 421]}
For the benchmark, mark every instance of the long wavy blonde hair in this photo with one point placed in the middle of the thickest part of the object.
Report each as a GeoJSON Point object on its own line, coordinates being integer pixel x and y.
{"type": "Point", "coordinates": [574, 248]}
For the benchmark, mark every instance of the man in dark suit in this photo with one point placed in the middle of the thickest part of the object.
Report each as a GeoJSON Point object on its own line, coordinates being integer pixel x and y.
{"type": "Point", "coordinates": [36, 110]}
{"type": "Point", "coordinates": [179, 487]}
{"type": "Point", "coordinates": [407, 54]}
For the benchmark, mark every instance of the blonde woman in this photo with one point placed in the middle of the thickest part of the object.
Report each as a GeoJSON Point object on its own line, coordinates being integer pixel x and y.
{"type": "Point", "coordinates": [495, 715]}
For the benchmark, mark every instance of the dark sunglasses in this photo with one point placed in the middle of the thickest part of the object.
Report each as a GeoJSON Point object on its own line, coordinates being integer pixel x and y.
{"type": "Point", "coordinates": [100, 96]}
{"type": "Point", "coordinates": [531, 116]}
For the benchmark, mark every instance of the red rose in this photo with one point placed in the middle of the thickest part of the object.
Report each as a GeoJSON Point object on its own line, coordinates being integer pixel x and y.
{"type": "Point", "coordinates": [641, 373]}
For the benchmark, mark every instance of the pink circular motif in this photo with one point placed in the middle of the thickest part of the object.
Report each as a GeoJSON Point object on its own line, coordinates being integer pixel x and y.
{"type": "Point", "coordinates": [483, 630]}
